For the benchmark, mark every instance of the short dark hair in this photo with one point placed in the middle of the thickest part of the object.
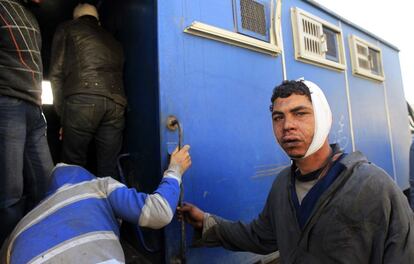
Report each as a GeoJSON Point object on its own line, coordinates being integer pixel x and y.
{"type": "Point", "coordinates": [287, 88]}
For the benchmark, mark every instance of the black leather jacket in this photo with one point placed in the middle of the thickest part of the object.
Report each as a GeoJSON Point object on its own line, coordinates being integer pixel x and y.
{"type": "Point", "coordinates": [86, 59]}
{"type": "Point", "coordinates": [21, 67]}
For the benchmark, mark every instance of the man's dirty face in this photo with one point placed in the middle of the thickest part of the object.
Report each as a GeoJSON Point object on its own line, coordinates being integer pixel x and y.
{"type": "Point", "coordinates": [294, 124]}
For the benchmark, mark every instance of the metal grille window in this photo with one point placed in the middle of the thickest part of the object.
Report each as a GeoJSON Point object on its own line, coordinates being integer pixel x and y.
{"type": "Point", "coordinates": [363, 57]}
{"type": "Point", "coordinates": [374, 58]}
{"type": "Point", "coordinates": [366, 59]}
{"type": "Point", "coordinates": [317, 41]}
{"type": "Point", "coordinates": [331, 44]}
{"type": "Point", "coordinates": [252, 18]}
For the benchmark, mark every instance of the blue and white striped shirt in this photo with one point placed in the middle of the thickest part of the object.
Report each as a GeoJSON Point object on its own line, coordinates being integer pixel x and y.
{"type": "Point", "coordinates": [78, 221]}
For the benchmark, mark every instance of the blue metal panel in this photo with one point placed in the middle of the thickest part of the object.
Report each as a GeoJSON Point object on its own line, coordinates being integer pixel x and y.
{"type": "Point", "coordinates": [220, 94]}
{"type": "Point", "coordinates": [401, 137]}
{"type": "Point", "coordinates": [369, 113]}
{"type": "Point", "coordinates": [215, 13]}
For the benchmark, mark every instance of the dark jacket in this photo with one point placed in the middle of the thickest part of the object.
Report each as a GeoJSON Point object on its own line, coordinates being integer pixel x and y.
{"type": "Point", "coordinates": [361, 218]}
{"type": "Point", "coordinates": [21, 67]}
{"type": "Point", "coordinates": [86, 59]}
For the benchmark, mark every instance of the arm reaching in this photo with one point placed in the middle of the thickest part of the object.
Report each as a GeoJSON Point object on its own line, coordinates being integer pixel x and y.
{"type": "Point", "coordinates": [212, 231]}
{"type": "Point", "coordinates": [157, 209]}
{"type": "Point", "coordinates": [192, 215]}
{"type": "Point", "coordinates": [179, 163]}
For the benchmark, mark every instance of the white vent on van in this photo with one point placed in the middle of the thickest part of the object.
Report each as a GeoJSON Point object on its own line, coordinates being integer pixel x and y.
{"type": "Point", "coordinates": [312, 37]}
{"type": "Point", "coordinates": [366, 59]}
{"type": "Point", "coordinates": [317, 41]}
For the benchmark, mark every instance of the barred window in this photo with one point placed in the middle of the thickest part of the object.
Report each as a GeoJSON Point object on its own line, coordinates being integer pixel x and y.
{"type": "Point", "coordinates": [366, 59]}
{"type": "Point", "coordinates": [317, 41]}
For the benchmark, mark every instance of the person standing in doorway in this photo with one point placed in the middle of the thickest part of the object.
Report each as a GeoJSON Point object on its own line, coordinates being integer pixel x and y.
{"type": "Point", "coordinates": [25, 161]}
{"type": "Point", "coordinates": [87, 81]}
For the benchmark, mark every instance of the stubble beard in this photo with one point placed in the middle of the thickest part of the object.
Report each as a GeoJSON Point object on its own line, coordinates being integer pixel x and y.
{"type": "Point", "coordinates": [296, 157]}
{"type": "Point", "coordinates": [292, 156]}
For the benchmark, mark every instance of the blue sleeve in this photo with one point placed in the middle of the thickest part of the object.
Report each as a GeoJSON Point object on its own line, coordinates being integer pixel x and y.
{"type": "Point", "coordinates": [129, 204]}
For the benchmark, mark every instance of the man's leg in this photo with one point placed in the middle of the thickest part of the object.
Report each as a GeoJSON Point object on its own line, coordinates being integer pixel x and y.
{"type": "Point", "coordinates": [12, 141]}
{"type": "Point", "coordinates": [37, 159]}
{"type": "Point", "coordinates": [79, 125]}
{"type": "Point", "coordinates": [109, 139]}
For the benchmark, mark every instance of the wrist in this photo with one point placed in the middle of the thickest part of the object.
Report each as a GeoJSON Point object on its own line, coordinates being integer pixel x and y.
{"type": "Point", "coordinates": [208, 222]}
{"type": "Point", "coordinates": [174, 171]}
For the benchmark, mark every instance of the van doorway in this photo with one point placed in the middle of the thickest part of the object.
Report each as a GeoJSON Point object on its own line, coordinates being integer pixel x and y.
{"type": "Point", "coordinates": [133, 23]}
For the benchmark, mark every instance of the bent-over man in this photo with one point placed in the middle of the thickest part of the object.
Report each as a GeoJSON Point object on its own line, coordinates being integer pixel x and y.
{"type": "Point", "coordinates": [79, 221]}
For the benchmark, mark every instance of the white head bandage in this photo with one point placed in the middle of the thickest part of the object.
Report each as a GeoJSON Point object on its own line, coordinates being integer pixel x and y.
{"type": "Point", "coordinates": [323, 118]}
{"type": "Point", "coordinates": [85, 9]}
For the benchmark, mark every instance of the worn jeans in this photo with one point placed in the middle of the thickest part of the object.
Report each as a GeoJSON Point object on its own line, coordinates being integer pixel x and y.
{"type": "Point", "coordinates": [92, 117]}
{"type": "Point", "coordinates": [25, 161]}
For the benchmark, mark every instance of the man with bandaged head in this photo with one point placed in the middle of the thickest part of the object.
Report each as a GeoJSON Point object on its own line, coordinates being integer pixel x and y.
{"type": "Point", "coordinates": [327, 207]}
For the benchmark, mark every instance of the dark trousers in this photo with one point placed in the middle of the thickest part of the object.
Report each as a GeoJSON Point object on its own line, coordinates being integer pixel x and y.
{"type": "Point", "coordinates": [25, 161]}
{"type": "Point", "coordinates": [92, 117]}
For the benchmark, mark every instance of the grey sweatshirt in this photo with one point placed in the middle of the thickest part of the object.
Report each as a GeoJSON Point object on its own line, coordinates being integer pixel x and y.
{"type": "Point", "coordinates": [363, 217]}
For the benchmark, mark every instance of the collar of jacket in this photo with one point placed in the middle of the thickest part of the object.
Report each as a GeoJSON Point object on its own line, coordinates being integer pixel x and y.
{"type": "Point", "coordinates": [27, 3]}
{"type": "Point", "coordinates": [90, 18]}
{"type": "Point", "coordinates": [350, 160]}
{"type": "Point", "coordinates": [335, 150]}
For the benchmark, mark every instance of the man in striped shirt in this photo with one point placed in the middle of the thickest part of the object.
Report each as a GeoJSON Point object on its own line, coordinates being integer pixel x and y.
{"type": "Point", "coordinates": [25, 161]}
{"type": "Point", "coordinates": [78, 222]}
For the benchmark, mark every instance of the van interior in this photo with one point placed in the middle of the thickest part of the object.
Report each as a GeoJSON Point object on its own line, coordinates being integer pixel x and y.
{"type": "Point", "coordinates": [133, 23]}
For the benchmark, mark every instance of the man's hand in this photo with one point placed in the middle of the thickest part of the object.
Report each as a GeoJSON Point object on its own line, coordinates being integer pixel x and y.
{"type": "Point", "coordinates": [181, 159]}
{"type": "Point", "coordinates": [191, 214]}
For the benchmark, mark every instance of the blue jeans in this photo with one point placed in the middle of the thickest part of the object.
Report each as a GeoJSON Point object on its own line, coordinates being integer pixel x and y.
{"type": "Point", "coordinates": [92, 117]}
{"type": "Point", "coordinates": [25, 161]}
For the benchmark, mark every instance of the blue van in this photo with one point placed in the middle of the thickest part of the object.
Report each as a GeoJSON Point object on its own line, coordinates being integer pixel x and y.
{"type": "Point", "coordinates": [212, 66]}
